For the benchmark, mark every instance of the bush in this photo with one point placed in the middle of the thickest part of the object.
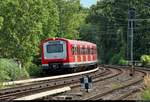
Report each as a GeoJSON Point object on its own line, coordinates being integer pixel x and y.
{"type": "Point", "coordinates": [146, 94]}
{"type": "Point", "coordinates": [145, 59]}
{"type": "Point", "coordinates": [9, 70]}
{"type": "Point", "coordinates": [114, 59]}
{"type": "Point", "coordinates": [123, 62]}
{"type": "Point", "coordinates": [34, 70]}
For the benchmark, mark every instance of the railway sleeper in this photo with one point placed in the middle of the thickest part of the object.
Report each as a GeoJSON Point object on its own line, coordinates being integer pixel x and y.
{"type": "Point", "coordinates": [35, 87]}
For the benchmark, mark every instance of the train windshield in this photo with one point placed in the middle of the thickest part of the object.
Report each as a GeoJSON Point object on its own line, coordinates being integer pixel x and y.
{"type": "Point", "coordinates": [55, 48]}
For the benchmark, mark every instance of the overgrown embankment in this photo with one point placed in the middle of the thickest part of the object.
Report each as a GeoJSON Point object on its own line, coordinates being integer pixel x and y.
{"type": "Point", "coordinates": [9, 70]}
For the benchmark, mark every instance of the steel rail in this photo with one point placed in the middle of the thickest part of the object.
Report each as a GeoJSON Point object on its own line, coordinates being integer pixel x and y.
{"type": "Point", "coordinates": [98, 96]}
{"type": "Point", "coordinates": [12, 93]}
{"type": "Point", "coordinates": [5, 94]}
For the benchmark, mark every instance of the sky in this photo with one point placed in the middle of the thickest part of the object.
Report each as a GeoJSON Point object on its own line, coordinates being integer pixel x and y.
{"type": "Point", "coordinates": [88, 3]}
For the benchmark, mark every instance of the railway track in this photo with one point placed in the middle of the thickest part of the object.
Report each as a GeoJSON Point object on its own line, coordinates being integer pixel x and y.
{"type": "Point", "coordinates": [126, 94]}
{"type": "Point", "coordinates": [31, 88]}
{"type": "Point", "coordinates": [105, 74]}
{"type": "Point", "coordinates": [126, 89]}
{"type": "Point", "coordinates": [102, 74]}
{"type": "Point", "coordinates": [114, 93]}
{"type": "Point", "coordinates": [113, 72]}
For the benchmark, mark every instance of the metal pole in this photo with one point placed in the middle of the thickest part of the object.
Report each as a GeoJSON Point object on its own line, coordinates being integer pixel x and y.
{"type": "Point", "coordinates": [132, 48]}
{"type": "Point", "coordinates": [131, 16]}
{"type": "Point", "coordinates": [128, 31]}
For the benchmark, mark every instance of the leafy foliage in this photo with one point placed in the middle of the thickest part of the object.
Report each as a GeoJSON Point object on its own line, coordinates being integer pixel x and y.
{"type": "Point", "coordinates": [146, 94]}
{"type": "Point", "coordinates": [34, 70]}
{"type": "Point", "coordinates": [107, 24]}
{"type": "Point", "coordinates": [145, 59]}
{"type": "Point", "coordinates": [1, 21]}
{"type": "Point", "coordinates": [9, 70]}
{"type": "Point", "coordinates": [24, 24]}
{"type": "Point", "coordinates": [123, 62]}
{"type": "Point", "coordinates": [70, 18]}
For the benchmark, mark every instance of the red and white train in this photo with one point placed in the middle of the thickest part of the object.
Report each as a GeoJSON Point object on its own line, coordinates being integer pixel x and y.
{"type": "Point", "coordinates": [60, 54]}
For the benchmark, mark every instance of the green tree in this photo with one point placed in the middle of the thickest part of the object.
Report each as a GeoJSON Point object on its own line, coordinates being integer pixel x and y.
{"type": "Point", "coordinates": [50, 19]}
{"type": "Point", "coordinates": [1, 22]}
{"type": "Point", "coordinates": [70, 18]}
{"type": "Point", "coordinates": [111, 18]}
{"type": "Point", "coordinates": [23, 27]}
{"type": "Point", "coordinates": [24, 24]}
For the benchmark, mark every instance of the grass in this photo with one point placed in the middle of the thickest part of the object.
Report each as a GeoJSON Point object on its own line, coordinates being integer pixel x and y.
{"type": "Point", "coordinates": [116, 85]}
{"type": "Point", "coordinates": [146, 93]}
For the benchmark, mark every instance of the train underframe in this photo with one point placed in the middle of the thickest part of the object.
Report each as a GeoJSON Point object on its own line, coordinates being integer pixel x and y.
{"type": "Point", "coordinates": [60, 68]}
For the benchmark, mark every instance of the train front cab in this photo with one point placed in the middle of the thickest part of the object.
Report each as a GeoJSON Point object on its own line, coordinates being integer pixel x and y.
{"type": "Point", "coordinates": [54, 54]}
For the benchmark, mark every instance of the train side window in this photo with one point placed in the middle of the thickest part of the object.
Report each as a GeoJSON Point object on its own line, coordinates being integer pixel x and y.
{"type": "Point", "coordinates": [95, 50]}
{"type": "Point", "coordinates": [78, 50]}
{"type": "Point", "coordinates": [72, 50]}
{"type": "Point", "coordinates": [83, 51]}
{"type": "Point", "coordinates": [92, 50]}
{"type": "Point", "coordinates": [88, 50]}
{"type": "Point", "coordinates": [75, 50]}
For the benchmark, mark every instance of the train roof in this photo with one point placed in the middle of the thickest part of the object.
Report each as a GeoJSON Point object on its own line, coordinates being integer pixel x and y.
{"type": "Point", "coordinates": [71, 41]}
